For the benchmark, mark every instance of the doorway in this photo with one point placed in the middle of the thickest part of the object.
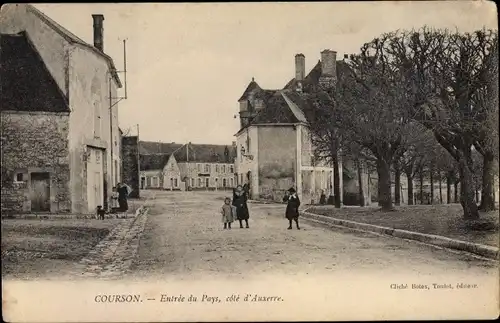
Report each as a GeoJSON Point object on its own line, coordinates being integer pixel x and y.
{"type": "Point", "coordinates": [40, 192]}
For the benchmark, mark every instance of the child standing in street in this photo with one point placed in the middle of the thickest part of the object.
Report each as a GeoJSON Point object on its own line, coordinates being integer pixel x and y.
{"type": "Point", "coordinates": [292, 207]}
{"type": "Point", "coordinates": [228, 212]}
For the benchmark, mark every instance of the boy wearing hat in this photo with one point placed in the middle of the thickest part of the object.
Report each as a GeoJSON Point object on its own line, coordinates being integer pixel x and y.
{"type": "Point", "coordinates": [292, 207]}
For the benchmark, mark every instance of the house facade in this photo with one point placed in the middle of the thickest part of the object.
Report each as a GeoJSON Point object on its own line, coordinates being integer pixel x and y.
{"type": "Point", "coordinates": [83, 124]}
{"type": "Point", "coordinates": [160, 171]}
{"type": "Point", "coordinates": [198, 167]}
{"type": "Point", "coordinates": [274, 143]}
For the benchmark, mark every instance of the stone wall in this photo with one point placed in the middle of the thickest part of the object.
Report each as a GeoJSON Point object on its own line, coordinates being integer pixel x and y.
{"type": "Point", "coordinates": [130, 164]}
{"type": "Point", "coordinates": [34, 142]}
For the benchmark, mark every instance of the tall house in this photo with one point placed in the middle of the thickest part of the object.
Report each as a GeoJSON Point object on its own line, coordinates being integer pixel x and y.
{"type": "Point", "coordinates": [60, 135]}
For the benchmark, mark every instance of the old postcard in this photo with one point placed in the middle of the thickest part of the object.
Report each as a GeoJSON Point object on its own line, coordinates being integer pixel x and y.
{"type": "Point", "coordinates": [218, 162]}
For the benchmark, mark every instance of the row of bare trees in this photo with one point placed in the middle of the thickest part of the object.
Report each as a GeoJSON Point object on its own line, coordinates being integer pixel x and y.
{"type": "Point", "coordinates": [412, 99]}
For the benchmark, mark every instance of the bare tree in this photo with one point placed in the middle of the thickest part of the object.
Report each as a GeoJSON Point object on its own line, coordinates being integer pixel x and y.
{"type": "Point", "coordinates": [442, 72]}
{"type": "Point", "coordinates": [326, 133]}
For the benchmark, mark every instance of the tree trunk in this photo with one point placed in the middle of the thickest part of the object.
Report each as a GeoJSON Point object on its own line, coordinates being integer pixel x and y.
{"type": "Point", "coordinates": [336, 180]}
{"type": "Point", "coordinates": [467, 188]}
{"type": "Point", "coordinates": [431, 173]}
{"type": "Point", "coordinates": [455, 187]}
{"type": "Point", "coordinates": [384, 179]}
{"type": "Point", "coordinates": [397, 184]}
{"type": "Point", "coordinates": [360, 183]}
{"type": "Point", "coordinates": [488, 192]}
{"type": "Point", "coordinates": [448, 188]}
{"type": "Point", "coordinates": [410, 189]}
{"type": "Point", "coordinates": [440, 189]}
{"type": "Point", "coordinates": [421, 175]}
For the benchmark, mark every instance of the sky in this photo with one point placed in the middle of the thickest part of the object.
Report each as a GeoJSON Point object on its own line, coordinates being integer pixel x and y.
{"type": "Point", "coordinates": [188, 64]}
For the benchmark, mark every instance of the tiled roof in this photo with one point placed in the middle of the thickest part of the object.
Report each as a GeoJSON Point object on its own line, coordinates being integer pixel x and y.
{"type": "Point", "coordinates": [72, 38]}
{"type": "Point", "coordinates": [25, 82]}
{"type": "Point", "coordinates": [203, 153]}
{"type": "Point", "coordinates": [153, 161]}
{"type": "Point", "coordinates": [153, 147]}
{"type": "Point", "coordinates": [251, 86]}
{"type": "Point", "coordinates": [313, 77]}
{"type": "Point", "coordinates": [277, 110]}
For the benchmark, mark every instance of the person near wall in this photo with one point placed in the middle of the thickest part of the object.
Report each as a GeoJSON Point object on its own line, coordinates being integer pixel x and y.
{"type": "Point", "coordinates": [292, 207]}
{"type": "Point", "coordinates": [123, 192]}
{"type": "Point", "coordinates": [240, 197]}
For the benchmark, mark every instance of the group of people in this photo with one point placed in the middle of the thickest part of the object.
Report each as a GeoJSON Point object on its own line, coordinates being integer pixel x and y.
{"type": "Point", "coordinates": [237, 208]}
{"type": "Point", "coordinates": [119, 204]}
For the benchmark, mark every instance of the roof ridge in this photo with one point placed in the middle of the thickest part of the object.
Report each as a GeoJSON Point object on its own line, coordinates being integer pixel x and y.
{"type": "Point", "coordinates": [70, 37]}
{"type": "Point", "coordinates": [295, 109]}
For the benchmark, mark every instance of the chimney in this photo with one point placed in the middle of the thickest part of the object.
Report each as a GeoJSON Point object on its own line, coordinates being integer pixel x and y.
{"type": "Point", "coordinates": [300, 67]}
{"type": "Point", "coordinates": [329, 63]}
{"type": "Point", "coordinates": [98, 32]}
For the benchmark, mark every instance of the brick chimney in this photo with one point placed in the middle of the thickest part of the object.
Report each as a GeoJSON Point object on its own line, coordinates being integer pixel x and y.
{"type": "Point", "coordinates": [329, 62]}
{"type": "Point", "coordinates": [300, 67]}
{"type": "Point", "coordinates": [98, 32]}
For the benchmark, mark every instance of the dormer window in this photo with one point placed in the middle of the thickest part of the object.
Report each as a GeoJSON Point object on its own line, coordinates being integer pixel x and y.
{"type": "Point", "coordinates": [243, 105]}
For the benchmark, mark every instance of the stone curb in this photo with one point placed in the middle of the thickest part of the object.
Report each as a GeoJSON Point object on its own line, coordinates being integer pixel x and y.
{"type": "Point", "coordinates": [63, 216]}
{"type": "Point", "coordinates": [489, 252]}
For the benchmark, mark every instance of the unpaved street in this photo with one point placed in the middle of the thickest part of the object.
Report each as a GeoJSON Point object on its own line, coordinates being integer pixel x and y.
{"type": "Point", "coordinates": [184, 238]}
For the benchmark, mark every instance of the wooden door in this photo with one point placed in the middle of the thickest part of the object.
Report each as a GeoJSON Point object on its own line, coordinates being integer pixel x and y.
{"type": "Point", "coordinates": [40, 192]}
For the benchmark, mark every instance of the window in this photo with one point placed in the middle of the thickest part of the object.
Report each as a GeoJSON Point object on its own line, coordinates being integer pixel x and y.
{"type": "Point", "coordinates": [232, 182]}
{"type": "Point", "coordinates": [171, 182]}
{"type": "Point", "coordinates": [199, 168]}
{"type": "Point", "coordinates": [216, 168]}
{"type": "Point", "coordinates": [231, 169]}
{"type": "Point", "coordinates": [223, 168]}
{"type": "Point", "coordinates": [192, 182]}
{"type": "Point", "coordinates": [224, 183]}
{"type": "Point", "coordinates": [207, 182]}
{"type": "Point", "coordinates": [175, 182]}
{"type": "Point", "coordinates": [148, 181]}
{"type": "Point", "coordinates": [207, 168]}
{"type": "Point", "coordinates": [19, 177]}
{"type": "Point", "coordinates": [200, 182]}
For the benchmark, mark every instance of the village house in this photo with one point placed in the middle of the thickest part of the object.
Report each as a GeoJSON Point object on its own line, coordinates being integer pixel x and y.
{"type": "Point", "coordinates": [60, 136]}
{"type": "Point", "coordinates": [187, 166]}
{"type": "Point", "coordinates": [275, 150]}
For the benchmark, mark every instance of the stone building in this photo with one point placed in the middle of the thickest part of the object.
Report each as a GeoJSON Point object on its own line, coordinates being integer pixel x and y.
{"type": "Point", "coordinates": [200, 167]}
{"type": "Point", "coordinates": [130, 164]}
{"type": "Point", "coordinates": [275, 150]}
{"type": "Point", "coordinates": [60, 140]}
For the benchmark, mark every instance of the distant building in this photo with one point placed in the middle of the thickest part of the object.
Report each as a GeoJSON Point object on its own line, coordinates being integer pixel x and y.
{"type": "Point", "coordinates": [60, 137]}
{"type": "Point", "coordinates": [187, 167]}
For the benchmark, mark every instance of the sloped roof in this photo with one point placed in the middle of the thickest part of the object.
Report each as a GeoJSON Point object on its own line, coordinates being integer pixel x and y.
{"type": "Point", "coordinates": [153, 147]}
{"type": "Point", "coordinates": [313, 77]}
{"type": "Point", "coordinates": [25, 82]}
{"type": "Point", "coordinates": [202, 153]}
{"type": "Point", "coordinates": [277, 110]}
{"type": "Point", "coordinates": [153, 161]}
{"type": "Point", "coordinates": [72, 38]}
{"type": "Point", "coordinates": [251, 86]}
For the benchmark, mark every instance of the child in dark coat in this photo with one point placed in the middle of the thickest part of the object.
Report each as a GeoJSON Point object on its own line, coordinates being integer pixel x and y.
{"type": "Point", "coordinates": [292, 207]}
